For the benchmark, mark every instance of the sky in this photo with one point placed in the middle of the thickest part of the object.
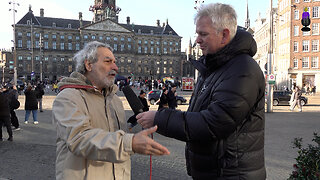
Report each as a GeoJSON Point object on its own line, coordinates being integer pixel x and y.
{"type": "Point", "coordinates": [180, 13]}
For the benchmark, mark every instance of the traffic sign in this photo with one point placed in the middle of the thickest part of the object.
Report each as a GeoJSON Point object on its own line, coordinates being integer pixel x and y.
{"type": "Point", "coordinates": [271, 78]}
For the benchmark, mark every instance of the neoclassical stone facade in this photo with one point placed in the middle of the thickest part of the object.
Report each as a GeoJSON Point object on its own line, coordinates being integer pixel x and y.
{"type": "Point", "coordinates": [141, 51]}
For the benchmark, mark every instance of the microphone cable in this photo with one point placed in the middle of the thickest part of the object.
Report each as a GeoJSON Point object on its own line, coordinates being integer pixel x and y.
{"type": "Point", "coordinates": [151, 161]}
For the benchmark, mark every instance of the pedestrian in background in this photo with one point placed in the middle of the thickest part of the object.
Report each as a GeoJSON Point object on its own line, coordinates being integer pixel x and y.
{"type": "Point", "coordinates": [5, 113]}
{"type": "Point", "coordinates": [296, 95]}
{"type": "Point", "coordinates": [142, 98]}
{"type": "Point", "coordinates": [313, 90]}
{"type": "Point", "coordinates": [163, 101]}
{"type": "Point", "coordinates": [40, 92]}
{"type": "Point", "coordinates": [224, 125]}
{"type": "Point", "coordinates": [31, 104]}
{"type": "Point", "coordinates": [172, 94]}
{"type": "Point", "coordinates": [293, 88]}
{"type": "Point", "coordinates": [14, 104]}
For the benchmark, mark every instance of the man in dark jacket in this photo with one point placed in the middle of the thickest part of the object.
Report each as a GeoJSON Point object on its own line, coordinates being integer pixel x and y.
{"type": "Point", "coordinates": [13, 96]}
{"type": "Point", "coordinates": [224, 125]}
{"type": "Point", "coordinates": [5, 113]}
{"type": "Point", "coordinates": [142, 98]}
{"type": "Point", "coordinates": [40, 93]}
{"type": "Point", "coordinates": [172, 101]}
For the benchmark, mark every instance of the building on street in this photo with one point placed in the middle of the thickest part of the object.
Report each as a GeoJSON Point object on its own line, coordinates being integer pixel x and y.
{"type": "Point", "coordinates": [45, 45]}
{"type": "Point", "coordinates": [298, 52]}
{"type": "Point", "coordinates": [6, 65]}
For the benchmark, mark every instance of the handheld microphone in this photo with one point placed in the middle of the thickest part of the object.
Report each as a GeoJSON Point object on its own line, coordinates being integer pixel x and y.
{"type": "Point", "coordinates": [134, 103]}
{"type": "Point", "coordinates": [137, 108]}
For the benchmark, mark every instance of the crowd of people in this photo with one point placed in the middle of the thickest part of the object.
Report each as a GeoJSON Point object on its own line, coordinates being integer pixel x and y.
{"type": "Point", "coordinates": [9, 103]}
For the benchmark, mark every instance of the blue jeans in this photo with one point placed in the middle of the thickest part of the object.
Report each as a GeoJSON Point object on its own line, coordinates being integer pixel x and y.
{"type": "Point", "coordinates": [34, 114]}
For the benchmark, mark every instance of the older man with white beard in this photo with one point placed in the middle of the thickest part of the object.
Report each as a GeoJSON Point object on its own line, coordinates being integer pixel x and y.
{"type": "Point", "coordinates": [92, 142]}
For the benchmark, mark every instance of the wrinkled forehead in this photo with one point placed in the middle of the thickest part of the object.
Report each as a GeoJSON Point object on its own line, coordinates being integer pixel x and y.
{"type": "Point", "coordinates": [105, 52]}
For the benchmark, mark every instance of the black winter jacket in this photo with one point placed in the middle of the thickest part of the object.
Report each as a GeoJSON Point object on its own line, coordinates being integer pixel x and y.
{"type": "Point", "coordinates": [31, 102]}
{"type": "Point", "coordinates": [224, 125]}
{"type": "Point", "coordinates": [4, 104]}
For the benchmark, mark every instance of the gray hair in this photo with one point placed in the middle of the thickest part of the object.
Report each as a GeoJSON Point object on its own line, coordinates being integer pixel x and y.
{"type": "Point", "coordinates": [223, 16]}
{"type": "Point", "coordinates": [89, 52]}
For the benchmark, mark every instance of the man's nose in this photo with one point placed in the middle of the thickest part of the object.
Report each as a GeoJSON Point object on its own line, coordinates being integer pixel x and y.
{"type": "Point", "coordinates": [198, 40]}
{"type": "Point", "coordinates": [115, 67]}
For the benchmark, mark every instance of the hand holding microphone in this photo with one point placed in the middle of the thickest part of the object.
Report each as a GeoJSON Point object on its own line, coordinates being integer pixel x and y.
{"type": "Point", "coordinates": [134, 103]}
{"type": "Point", "coordinates": [146, 119]}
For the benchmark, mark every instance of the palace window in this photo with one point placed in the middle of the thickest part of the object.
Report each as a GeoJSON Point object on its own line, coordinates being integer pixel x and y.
{"type": "Point", "coordinates": [296, 14]}
{"type": "Point", "coordinates": [315, 45]}
{"type": "Point", "coordinates": [69, 46]}
{"type": "Point", "coordinates": [19, 43]}
{"type": "Point", "coordinates": [305, 46]}
{"type": "Point", "coordinates": [315, 29]}
{"type": "Point", "coordinates": [305, 62]}
{"type": "Point", "coordinates": [315, 12]}
{"type": "Point", "coordinates": [295, 63]}
{"type": "Point", "coordinates": [296, 31]}
{"type": "Point", "coordinates": [295, 46]}
{"type": "Point", "coordinates": [54, 45]}
{"type": "Point", "coordinates": [62, 46]}
{"type": "Point", "coordinates": [314, 62]}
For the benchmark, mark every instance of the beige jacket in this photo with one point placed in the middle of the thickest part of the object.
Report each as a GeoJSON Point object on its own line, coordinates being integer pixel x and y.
{"type": "Point", "coordinates": [91, 138]}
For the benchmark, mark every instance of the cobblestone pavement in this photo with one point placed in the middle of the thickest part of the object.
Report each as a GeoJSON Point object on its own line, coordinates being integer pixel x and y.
{"type": "Point", "coordinates": [32, 153]}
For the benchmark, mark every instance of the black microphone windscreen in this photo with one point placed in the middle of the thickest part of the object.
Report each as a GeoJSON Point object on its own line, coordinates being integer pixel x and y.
{"type": "Point", "coordinates": [133, 100]}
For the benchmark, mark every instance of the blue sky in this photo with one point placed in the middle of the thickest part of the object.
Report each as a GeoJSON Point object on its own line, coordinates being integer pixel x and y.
{"type": "Point", "coordinates": [179, 13]}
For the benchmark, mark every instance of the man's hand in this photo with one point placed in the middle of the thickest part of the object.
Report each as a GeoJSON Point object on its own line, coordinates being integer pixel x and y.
{"type": "Point", "coordinates": [146, 119]}
{"type": "Point", "coordinates": [143, 144]}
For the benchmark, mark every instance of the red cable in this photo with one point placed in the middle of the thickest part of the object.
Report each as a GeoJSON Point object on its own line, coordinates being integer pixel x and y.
{"type": "Point", "coordinates": [151, 162]}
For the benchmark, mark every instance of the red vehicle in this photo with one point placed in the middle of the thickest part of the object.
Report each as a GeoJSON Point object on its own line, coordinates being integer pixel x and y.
{"type": "Point", "coordinates": [187, 84]}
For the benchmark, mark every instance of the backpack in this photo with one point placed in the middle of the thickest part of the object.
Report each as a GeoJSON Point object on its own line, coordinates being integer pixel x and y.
{"type": "Point", "coordinates": [14, 103]}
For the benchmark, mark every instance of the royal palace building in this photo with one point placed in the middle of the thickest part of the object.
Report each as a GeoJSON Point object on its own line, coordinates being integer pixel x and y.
{"type": "Point", "coordinates": [45, 46]}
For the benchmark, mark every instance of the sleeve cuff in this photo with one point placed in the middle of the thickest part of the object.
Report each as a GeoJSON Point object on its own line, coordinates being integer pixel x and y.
{"type": "Point", "coordinates": [127, 142]}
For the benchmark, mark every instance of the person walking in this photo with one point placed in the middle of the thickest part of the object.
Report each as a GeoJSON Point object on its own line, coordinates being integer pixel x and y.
{"type": "Point", "coordinates": [14, 104]}
{"type": "Point", "coordinates": [172, 94]}
{"type": "Point", "coordinates": [5, 113]}
{"type": "Point", "coordinates": [40, 92]}
{"type": "Point", "coordinates": [142, 98]}
{"type": "Point", "coordinates": [92, 134]}
{"type": "Point", "coordinates": [224, 125]}
{"type": "Point", "coordinates": [163, 101]}
{"type": "Point", "coordinates": [31, 105]}
{"type": "Point", "coordinates": [296, 96]}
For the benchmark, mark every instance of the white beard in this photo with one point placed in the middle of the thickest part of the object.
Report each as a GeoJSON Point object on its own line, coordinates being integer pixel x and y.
{"type": "Point", "coordinates": [109, 82]}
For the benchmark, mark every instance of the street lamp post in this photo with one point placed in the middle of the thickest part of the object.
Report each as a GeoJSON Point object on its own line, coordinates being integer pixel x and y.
{"type": "Point", "coordinates": [41, 54]}
{"type": "Point", "coordinates": [14, 40]}
{"type": "Point", "coordinates": [270, 86]}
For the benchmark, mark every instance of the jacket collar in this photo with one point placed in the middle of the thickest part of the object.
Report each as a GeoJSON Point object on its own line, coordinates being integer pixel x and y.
{"type": "Point", "coordinates": [242, 43]}
{"type": "Point", "coordinates": [79, 81]}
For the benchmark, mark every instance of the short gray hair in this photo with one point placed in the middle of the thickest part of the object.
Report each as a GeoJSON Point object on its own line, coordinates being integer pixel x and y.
{"type": "Point", "coordinates": [89, 52]}
{"type": "Point", "coordinates": [223, 16]}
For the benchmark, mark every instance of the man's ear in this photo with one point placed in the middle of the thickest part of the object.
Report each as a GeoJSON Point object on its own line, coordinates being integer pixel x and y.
{"type": "Point", "coordinates": [87, 65]}
{"type": "Point", "coordinates": [225, 36]}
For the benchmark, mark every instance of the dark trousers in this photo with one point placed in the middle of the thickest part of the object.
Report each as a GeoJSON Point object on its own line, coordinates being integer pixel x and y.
{"type": "Point", "coordinates": [6, 122]}
{"type": "Point", "coordinates": [14, 119]}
